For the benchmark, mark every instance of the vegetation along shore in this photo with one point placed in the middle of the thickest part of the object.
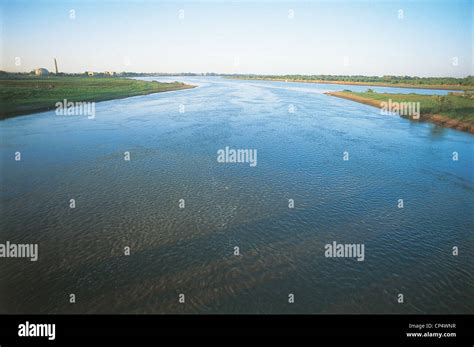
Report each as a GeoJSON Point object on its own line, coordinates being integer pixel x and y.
{"type": "Point", "coordinates": [455, 110]}
{"type": "Point", "coordinates": [21, 95]}
{"type": "Point", "coordinates": [446, 83]}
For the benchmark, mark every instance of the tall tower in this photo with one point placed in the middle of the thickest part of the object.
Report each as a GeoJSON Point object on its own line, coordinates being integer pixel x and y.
{"type": "Point", "coordinates": [56, 65]}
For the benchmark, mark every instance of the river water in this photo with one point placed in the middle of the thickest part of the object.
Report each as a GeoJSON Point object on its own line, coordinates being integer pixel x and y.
{"type": "Point", "coordinates": [300, 136]}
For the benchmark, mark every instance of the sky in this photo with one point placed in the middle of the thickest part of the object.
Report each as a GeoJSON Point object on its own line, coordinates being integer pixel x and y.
{"type": "Point", "coordinates": [343, 37]}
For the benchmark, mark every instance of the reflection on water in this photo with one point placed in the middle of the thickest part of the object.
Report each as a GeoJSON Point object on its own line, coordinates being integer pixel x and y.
{"type": "Point", "coordinates": [191, 250]}
{"type": "Point", "coordinates": [437, 131]}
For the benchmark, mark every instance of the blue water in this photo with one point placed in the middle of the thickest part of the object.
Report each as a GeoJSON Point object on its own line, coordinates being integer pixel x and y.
{"type": "Point", "coordinates": [191, 250]}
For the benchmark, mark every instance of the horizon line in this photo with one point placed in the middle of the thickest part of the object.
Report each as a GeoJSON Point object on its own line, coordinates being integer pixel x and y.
{"type": "Point", "coordinates": [231, 74]}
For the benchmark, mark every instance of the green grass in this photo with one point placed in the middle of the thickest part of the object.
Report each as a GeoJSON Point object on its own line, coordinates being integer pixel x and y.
{"type": "Point", "coordinates": [459, 106]}
{"type": "Point", "coordinates": [455, 110]}
{"type": "Point", "coordinates": [28, 94]}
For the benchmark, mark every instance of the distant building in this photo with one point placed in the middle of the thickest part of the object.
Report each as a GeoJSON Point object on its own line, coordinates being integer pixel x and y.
{"type": "Point", "coordinates": [110, 73]}
{"type": "Point", "coordinates": [41, 72]}
{"type": "Point", "coordinates": [90, 73]}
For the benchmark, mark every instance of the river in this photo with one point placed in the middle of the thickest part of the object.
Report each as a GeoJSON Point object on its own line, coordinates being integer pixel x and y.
{"type": "Point", "coordinates": [189, 246]}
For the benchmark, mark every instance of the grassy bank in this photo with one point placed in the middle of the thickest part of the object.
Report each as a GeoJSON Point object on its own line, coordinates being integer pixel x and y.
{"type": "Point", "coordinates": [30, 94]}
{"type": "Point", "coordinates": [455, 110]}
{"type": "Point", "coordinates": [465, 84]}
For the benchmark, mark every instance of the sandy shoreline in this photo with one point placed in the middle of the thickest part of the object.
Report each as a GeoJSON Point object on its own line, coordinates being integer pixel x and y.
{"type": "Point", "coordinates": [433, 118]}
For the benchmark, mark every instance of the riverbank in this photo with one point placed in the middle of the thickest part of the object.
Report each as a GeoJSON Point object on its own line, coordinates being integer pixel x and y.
{"type": "Point", "coordinates": [455, 110]}
{"type": "Point", "coordinates": [375, 83]}
{"type": "Point", "coordinates": [31, 94]}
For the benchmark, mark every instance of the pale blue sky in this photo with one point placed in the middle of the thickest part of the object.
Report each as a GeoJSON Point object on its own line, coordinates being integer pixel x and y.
{"type": "Point", "coordinates": [324, 37]}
